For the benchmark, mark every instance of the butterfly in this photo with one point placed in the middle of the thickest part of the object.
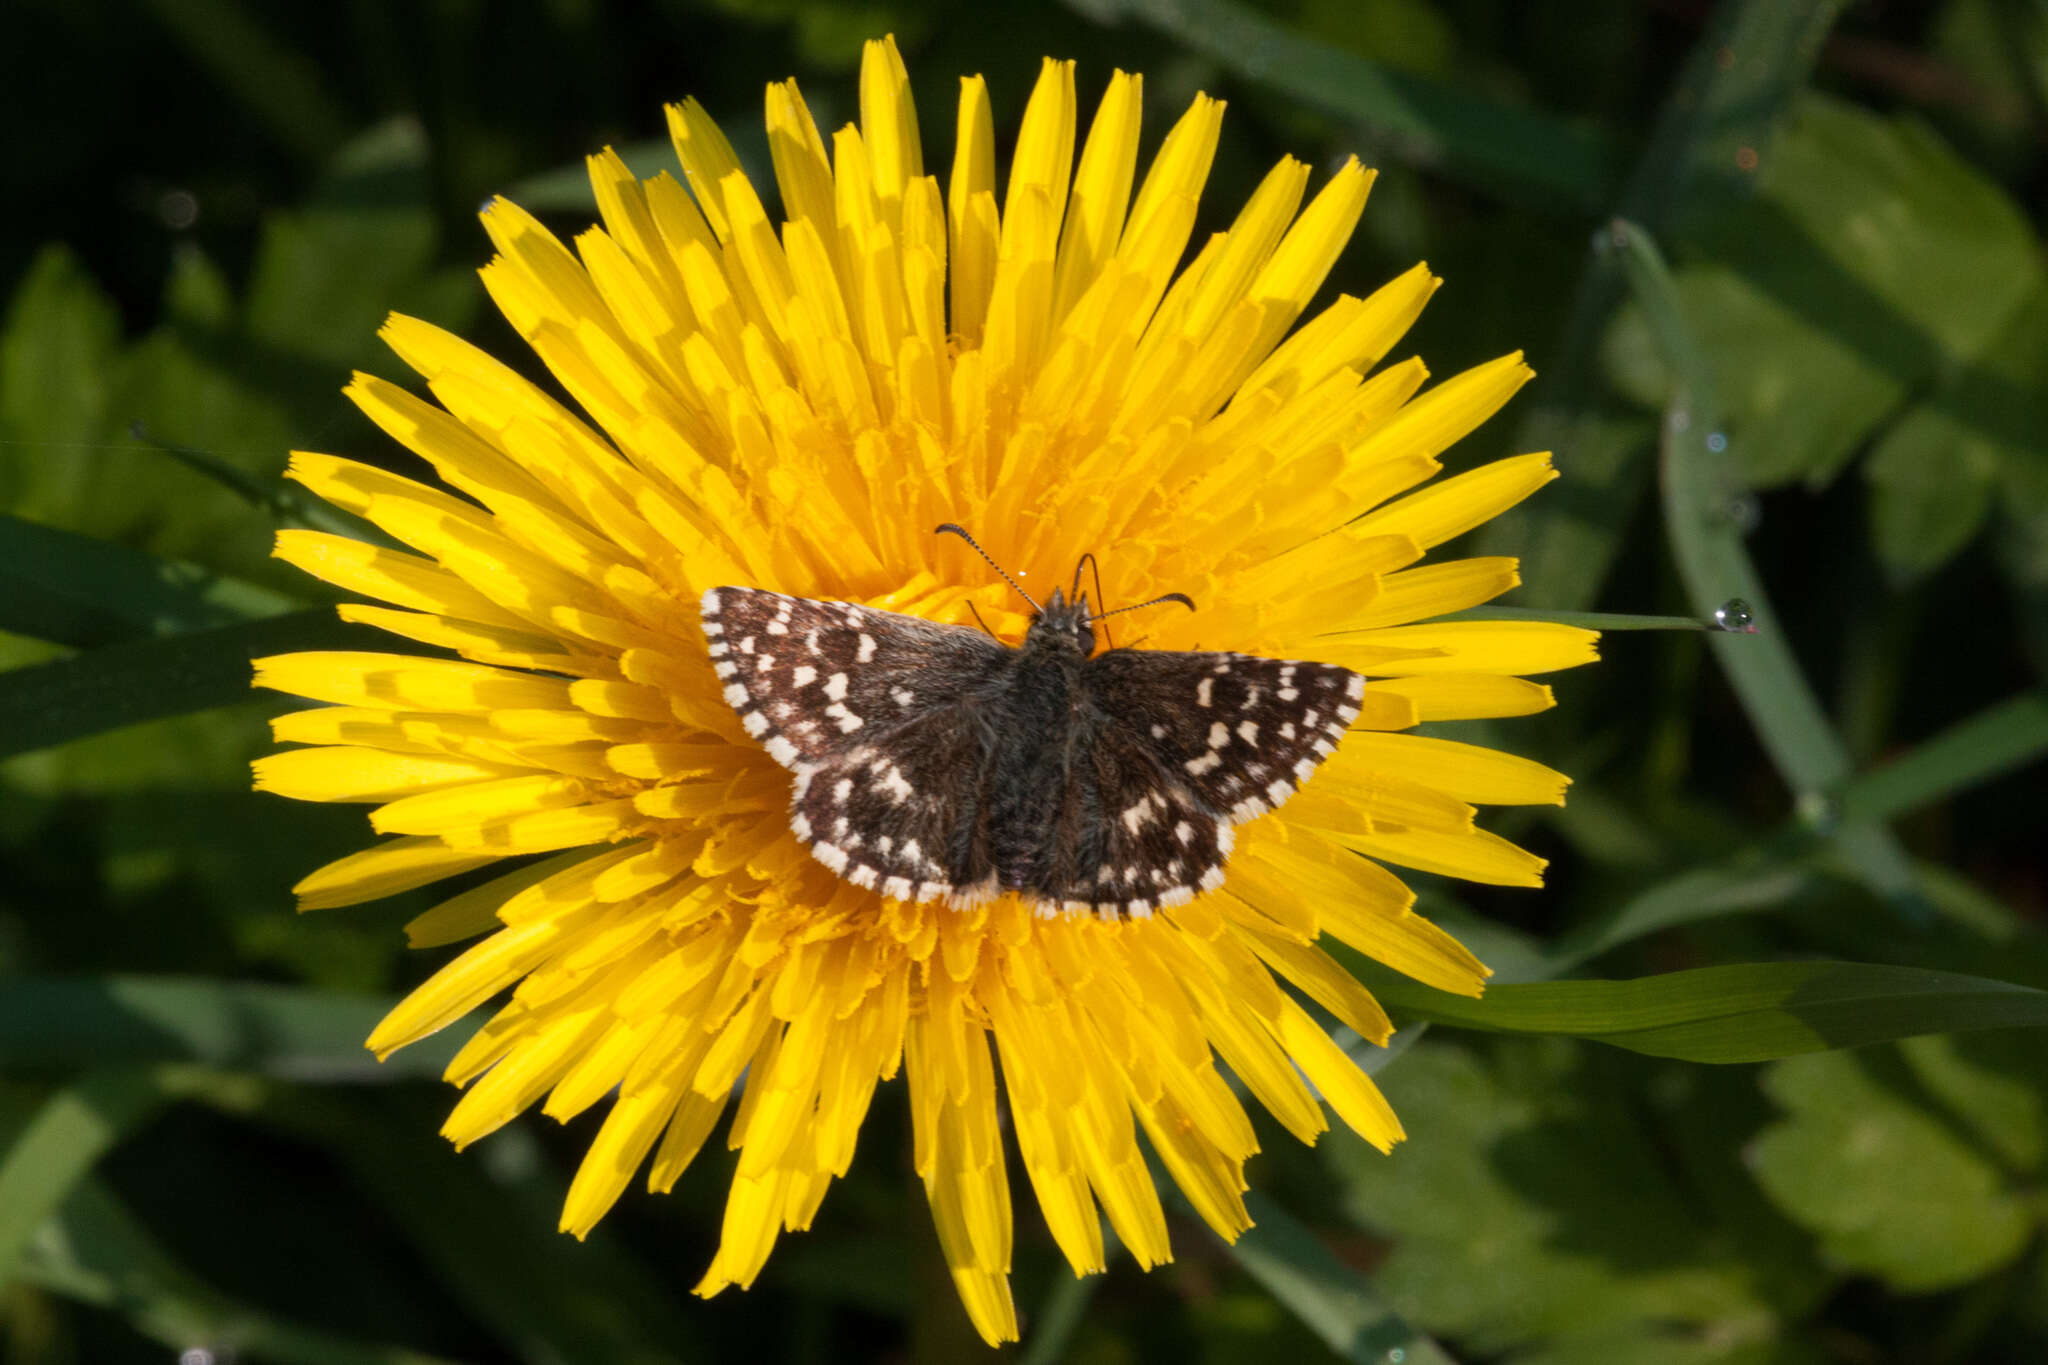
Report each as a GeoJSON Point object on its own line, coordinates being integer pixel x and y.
{"type": "Point", "coordinates": [934, 762]}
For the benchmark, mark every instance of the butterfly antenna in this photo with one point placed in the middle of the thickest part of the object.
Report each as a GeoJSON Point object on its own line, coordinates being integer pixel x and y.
{"type": "Point", "coordinates": [961, 532]}
{"type": "Point", "coordinates": [1088, 561]}
{"type": "Point", "coordinates": [1179, 597]}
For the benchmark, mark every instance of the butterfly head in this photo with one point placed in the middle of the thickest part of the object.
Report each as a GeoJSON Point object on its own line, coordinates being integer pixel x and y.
{"type": "Point", "coordinates": [1062, 625]}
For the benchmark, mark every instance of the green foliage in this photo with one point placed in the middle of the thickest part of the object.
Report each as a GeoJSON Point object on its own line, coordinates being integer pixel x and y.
{"type": "Point", "coordinates": [1816, 848]}
{"type": "Point", "coordinates": [1889, 1184]}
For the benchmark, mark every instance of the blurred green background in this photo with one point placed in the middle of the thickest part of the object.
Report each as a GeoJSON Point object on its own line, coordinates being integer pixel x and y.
{"type": "Point", "coordinates": [1830, 404]}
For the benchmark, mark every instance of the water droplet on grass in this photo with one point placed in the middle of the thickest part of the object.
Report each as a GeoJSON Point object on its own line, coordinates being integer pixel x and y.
{"type": "Point", "coordinates": [1735, 617]}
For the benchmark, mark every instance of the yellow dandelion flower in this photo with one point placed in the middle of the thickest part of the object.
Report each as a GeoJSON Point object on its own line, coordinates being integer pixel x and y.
{"type": "Point", "coordinates": [794, 409]}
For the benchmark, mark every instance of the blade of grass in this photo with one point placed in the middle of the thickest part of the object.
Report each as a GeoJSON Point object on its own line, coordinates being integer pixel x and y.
{"type": "Point", "coordinates": [1331, 1299]}
{"type": "Point", "coordinates": [1748, 883]}
{"type": "Point", "coordinates": [75, 590]}
{"type": "Point", "coordinates": [1497, 149]}
{"type": "Point", "coordinates": [96, 1252]}
{"type": "Point", "coordinates": [1054, 1325]}
{"type": "Point", "coordinates": [81, 1123]}
{"type": "Point", "coordinates": [124, 684]}
{"type": "Point", "coordinates": [1591, 620]}
{"type": "Point", "coordinates": [1714, 565]}
{"type": "Point", "coordinates": [2006, 736]}
{"type": "Point", "coordinates": [1746, 1012]}
{"type": "Point", "coordinates": [280, 500]}
{"type": "Point", "coordinates": [70, 1133]}
{"type": "Point", "coordinates": [286, 1032]}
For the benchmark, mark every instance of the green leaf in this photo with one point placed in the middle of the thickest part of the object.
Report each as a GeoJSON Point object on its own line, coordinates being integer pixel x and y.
{"type": "Point", "coordinates": [96, 1252]}
{"type": "Point", "coordinates": [75, 590]}
{"type": "Point", "coordinates": [286, 1032]}
{"type": "Point", "coordinates": [1889, 1188]}
{"type": "Point", "coordinates": [1868, 263]}
{"type": "Point", "coordinates": [51, 703]}
{"type": "Point", "coordinates": [1495, 148]}
{"type": "Point", "coordinates": [57, 357]}
{"type": "Point", "coordinates": [1739, 78]}
{"type": "Point", "coordinates": [325, 276]}
{"type": "Point", "coordinates": [1747, 1012]}
{"type": "Point", "coordinates": [1931, 489]}
{"type": "Point", "coordinates": [1698, 484]}
{"type": "Point", "coordinates": [1995, 1086]}
{"type": "Point", "coordinates": [1506, 1236]}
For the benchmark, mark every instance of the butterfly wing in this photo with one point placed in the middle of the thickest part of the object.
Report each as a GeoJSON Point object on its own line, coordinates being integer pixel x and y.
{"type": "Point", "coordinates": [1185, 745]}
{"type": "Point", "coordinates": [883, 718]}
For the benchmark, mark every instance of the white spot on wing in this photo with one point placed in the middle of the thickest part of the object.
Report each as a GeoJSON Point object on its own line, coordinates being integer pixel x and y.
{"type": "Point", "coordinates": [1202, 691]}
{"type": "Point", "coordinates": [835, 687]}
{"type": "Point", "coordinates": [804, 676]}
{"type": "Point", "coordinates": [1207, 762]}
{"type": "Point", "coordinates": [867, 649]}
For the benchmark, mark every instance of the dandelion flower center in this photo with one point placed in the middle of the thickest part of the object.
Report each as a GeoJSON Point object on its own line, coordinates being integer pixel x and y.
{"type": "Point", "coordinates": [791, 408]}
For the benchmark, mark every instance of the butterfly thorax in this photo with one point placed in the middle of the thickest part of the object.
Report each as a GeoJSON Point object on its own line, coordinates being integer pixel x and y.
{"type": "Point", "coordinates": [1037, 740]}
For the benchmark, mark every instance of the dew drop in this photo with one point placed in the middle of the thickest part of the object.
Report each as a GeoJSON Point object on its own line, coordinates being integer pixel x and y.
{"type": "Point", "coordinates": [179, 209]}
{"type": "Point", "coordinates": [1396, 1355]}
{"type": "Point", "coordinates": [1679, 420]}
{"type": "Point", "coordinates": [1743, 512]}
{"type": "Point", "coordinates": [1735, 617]}
{"type": "Point", "coordinates": [1717, 441]}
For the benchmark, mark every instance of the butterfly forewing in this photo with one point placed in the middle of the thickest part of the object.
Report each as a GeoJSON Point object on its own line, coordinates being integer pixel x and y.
{"type": "Point", "coordinates": [1240, 731]}
{"type": "Point", "coordinates": [811, 679]}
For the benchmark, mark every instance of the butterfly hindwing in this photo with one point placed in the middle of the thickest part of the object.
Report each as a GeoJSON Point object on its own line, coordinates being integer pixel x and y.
{"type": "Point", "coordinates": [1240, 731]}
{"type": "Point", "coordinates": [905, 813]}
{"type": "Point", "coordinates": [1132, 836]}
{"type": "Point", "coordinates": [880, 717]}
